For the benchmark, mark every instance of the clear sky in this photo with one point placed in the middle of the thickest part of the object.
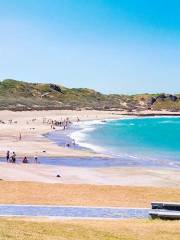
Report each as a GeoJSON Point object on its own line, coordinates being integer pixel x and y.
{"type": "Point", "coordinates": [120, 46]}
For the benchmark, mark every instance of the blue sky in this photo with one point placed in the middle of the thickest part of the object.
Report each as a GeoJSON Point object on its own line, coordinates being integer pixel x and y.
{"type": "Point", "coordinates": [120, 46]}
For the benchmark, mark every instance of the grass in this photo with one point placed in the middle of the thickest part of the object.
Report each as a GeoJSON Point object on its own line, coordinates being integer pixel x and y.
{"type": "Point", "coordinates": [17, 229]}
{"type": "Point", "coordinates": [86, 195]}
{"type": "Point", "coordinates": [45, 229]}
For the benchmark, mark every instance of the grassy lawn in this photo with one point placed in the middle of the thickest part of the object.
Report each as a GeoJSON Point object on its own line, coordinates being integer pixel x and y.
{"type": "Point", "coordinates": [16, 229]}
{"type": "Point", "coordinates": [86, 195]}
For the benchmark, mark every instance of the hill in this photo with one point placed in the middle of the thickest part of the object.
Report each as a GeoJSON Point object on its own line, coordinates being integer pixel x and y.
{"type": "Point", "coordinates": [19, 95]}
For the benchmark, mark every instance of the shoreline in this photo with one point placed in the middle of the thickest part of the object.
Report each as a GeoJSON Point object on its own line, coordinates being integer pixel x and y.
{"type": "Point", "coordinates": [40, 137]}
{"type": "Point", "coordinates": [153, 114]}
{"type": "Point", "coordinates": [35, 143]}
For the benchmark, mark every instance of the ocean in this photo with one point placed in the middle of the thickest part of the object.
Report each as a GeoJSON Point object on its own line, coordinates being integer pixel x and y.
{"type": "Point", "coordinates": [150, 139]}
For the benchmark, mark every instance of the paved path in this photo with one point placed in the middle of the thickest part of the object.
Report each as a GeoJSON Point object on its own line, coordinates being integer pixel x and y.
{"type": "Point", "coordinates": [72, 211]}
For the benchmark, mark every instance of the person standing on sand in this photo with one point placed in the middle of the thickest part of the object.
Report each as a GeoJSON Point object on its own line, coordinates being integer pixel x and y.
{"type": "Point", "coordinates": [20, 136]}
{"type": "Point", "coordinates": [8, 156]}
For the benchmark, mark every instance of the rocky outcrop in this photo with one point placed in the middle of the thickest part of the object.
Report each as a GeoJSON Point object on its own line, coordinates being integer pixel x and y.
{"type": "Point", "coordinates": [162, 97]}
{"type": "Point", "coordinates": [55, 88]}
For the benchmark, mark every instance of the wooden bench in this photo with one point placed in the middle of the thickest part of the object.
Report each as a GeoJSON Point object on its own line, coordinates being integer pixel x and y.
{"type": "Point", "coordinates": [165, 210]}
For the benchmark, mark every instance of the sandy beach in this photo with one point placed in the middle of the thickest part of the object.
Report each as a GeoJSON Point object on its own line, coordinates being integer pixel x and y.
{"type": "Point", "coordinates": [29, 124]}
{"type": "Point", "coordinates": [32, 128]}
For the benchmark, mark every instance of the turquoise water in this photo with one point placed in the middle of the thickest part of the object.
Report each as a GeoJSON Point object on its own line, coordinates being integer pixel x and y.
{"type": "Point", "coordinates": [152, 138]}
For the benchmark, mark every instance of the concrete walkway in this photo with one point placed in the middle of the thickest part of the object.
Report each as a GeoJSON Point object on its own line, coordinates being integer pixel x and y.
{"type": "Point", "coordinates": [72, 211]}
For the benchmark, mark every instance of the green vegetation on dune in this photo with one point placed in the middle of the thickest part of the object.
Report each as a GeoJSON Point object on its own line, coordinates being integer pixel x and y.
{"type": "Point", "coordinates": [168, 104]}
{"type": "Point", "coordinates": [20, 95]}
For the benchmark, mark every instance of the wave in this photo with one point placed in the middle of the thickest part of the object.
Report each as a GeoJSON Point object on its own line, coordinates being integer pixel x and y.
{"type": "Point", "coordinates": [80, 136]}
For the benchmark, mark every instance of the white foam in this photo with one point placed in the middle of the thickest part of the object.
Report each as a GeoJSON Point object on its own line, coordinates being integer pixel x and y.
{"type": "Point", "coordinates": [81, 135]}
{"type": "Point", "coordinates": [81, 138]}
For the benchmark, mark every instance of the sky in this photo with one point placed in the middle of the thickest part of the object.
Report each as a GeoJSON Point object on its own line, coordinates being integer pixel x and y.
{"type": "Point", "coordinates": [113, 46]}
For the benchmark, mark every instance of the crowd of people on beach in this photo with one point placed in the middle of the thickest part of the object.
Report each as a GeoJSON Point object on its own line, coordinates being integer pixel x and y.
{"type": "Point", "coordinates": [64, 123]}
{"type": "Point", "coordinates": [11, 158]}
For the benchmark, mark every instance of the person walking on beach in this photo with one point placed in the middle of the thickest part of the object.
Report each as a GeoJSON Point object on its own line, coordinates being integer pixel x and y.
{"type": "Point", "coordinates": [8, 156]}
{"type": "Point", "coordinates": [73, 143]}
{"type": "Point", "coordinates": [36, 159]}
{"type": "Point", "coordinates": [20, 136]}
{"type": "Point", "coordinates": [13, 157]}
